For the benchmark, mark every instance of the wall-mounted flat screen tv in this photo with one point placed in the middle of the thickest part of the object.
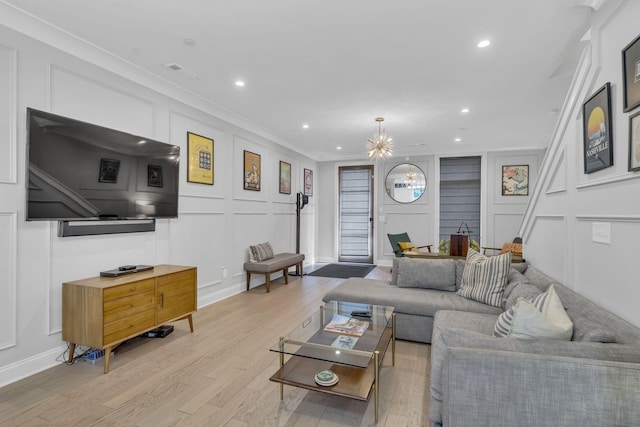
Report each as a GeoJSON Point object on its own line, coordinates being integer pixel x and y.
{"type": "Point", "coordinates": [77, 170]}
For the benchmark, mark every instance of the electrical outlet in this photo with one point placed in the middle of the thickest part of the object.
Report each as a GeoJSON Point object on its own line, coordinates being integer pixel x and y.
{"type": "Point", "coordinates": [601, 232]}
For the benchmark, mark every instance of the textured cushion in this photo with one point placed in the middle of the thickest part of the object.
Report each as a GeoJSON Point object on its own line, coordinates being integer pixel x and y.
{"type": "Point", "coordinates": [426, 273]}
{"type": "Point", "coordinates": [406, 245]}
{"type": "Point", "coordinates": [260, 252]}
{"type": "Point", "coordinates": [514, 279]}
{"type": "Point", "coordinates": [522, 290]}
{"type": "Point", "coordinates": [484, 278]}
{"type": "Point", "coordinates": [514, 248]}
{"type": "Point", "coordinates": [542, 318]}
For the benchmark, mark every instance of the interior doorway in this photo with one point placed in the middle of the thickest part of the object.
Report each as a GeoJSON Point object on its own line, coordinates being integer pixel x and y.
{"type": "Point", "coordinates": [355, 214]}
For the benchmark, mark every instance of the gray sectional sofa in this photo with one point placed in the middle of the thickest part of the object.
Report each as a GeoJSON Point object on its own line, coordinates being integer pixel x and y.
{"type": "Point", "coordinates": [478, 379]}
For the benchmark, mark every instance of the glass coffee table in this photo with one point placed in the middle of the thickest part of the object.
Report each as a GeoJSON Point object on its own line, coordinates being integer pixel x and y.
{"type": "Point", "coordinates": [353, 350]}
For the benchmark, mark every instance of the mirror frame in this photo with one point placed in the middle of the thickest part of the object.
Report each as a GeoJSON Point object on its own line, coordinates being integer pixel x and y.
{"type": "Point", "coordinates": [419, 171]}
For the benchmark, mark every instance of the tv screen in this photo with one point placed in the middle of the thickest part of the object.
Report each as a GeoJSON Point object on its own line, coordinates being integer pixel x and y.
{"type": "Point", "coordinates": [77, 170]}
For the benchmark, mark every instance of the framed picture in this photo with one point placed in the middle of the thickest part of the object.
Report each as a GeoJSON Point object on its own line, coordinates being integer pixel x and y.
{"type": "Point", "coordinates": [199, 159]}
{"type": "Point", "coordinates": [154, 176]}
{"type": "Point", "coordinates": [634, 142]}
{"type": "Point", "coordinates": [308, 182]}
{"type": "Point", "coordinates": [251, 171]}
{"type": "Point", "coordinates": [285, 177]}
{"type": "Point", "coordinates": [515, 180]}
{"type": "Point", "coordinates": [631, 75]}
{"type": "Point", "coordinates": [597, 133]}
{"type": "Point", "coordinates": [109, 170]}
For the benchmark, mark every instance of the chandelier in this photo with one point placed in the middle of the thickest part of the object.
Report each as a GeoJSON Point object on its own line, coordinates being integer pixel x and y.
{"type": "Point", "coordinates": [379, 147]}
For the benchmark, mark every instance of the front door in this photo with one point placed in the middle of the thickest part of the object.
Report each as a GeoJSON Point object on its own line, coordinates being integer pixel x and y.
{"type": "Point", "coordinates": [355, 219]}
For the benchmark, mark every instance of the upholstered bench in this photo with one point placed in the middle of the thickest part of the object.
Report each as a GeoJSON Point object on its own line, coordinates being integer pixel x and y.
{"type": "Point", "coordinates": [263, 261]}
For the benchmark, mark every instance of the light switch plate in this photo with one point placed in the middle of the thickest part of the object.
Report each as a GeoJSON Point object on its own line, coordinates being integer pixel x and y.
{"type": "Point", "coordinates": [601, 232]}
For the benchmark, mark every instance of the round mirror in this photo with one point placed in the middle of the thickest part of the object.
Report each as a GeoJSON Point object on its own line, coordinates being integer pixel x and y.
{"type": "Point", "coordinates": [405, 183]}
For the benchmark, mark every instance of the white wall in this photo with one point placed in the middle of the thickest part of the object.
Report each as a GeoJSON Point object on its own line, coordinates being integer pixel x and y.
{"type": "Point", "coordinates": [215, 225]}
{"type": "Point", "coordinates": [558, 224]}
{"type": "Point", "coordinates": [500, 216]}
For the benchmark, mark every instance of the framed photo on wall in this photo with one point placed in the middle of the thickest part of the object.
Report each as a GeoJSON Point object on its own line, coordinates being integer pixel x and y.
{"type": "Point", "coordinates": [515, 180]}
{"type": "Point", "coordinates": [199, 159]}
{"type": "Point", "coordinates": [251, 171]}
{"type": "Point", "coordinates": [597, 133]}
{"type": "Point", "coordinates": [154, 176]}
{"type": "Point", "coordinates": [634, 142]}
{"type": "Point", "coordinates": [631, 75]}
{"type": "Point", "coordinates": [285, 177]}
{"type": "Point", "coordinates": [109, 169]}
{"type": "Point", "coordinates": [308, 182]}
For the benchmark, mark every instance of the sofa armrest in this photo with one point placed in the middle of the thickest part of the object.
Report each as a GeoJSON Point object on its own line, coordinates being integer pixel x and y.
{"type": "Point", "coordinates": [502, 388]}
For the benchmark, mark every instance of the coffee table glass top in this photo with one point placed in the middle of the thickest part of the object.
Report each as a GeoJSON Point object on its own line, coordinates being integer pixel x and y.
{"type": "Point", "coordinates": [342, 345]}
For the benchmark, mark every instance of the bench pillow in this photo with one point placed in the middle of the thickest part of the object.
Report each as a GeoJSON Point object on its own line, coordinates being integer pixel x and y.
{"type": "Point", "coordinates": [260, 252]}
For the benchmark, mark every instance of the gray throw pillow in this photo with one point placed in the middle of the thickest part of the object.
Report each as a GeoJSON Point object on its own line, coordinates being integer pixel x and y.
{"type": "Point", "coordinates": [437, 274]}
{"type": "Point", "coordinates": [522, 290]}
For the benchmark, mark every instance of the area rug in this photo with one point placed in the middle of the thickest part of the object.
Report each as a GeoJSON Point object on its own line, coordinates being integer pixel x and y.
{"type": "Point", "coordinates": [343, 271]}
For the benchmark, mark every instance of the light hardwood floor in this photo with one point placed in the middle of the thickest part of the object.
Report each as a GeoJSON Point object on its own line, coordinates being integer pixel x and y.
{"type": "Point", "coordinates": [217, 376]}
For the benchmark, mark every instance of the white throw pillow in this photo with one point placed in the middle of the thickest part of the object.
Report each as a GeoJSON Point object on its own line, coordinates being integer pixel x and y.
{"type": "Point", "coordinates": [542, 318]}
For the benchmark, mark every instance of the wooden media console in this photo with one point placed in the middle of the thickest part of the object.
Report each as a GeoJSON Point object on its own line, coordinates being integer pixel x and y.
{"type": "Point", "coordinates": [101, 312]}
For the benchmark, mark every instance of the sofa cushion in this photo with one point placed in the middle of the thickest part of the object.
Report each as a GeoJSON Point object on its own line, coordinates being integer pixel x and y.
{"type": "Point", "coordinates": [485, 278]}
{"type": "Point", "coordinates": [521, 290]}
{"type": "Point", "coordinates": [514, 279]}
{"type": "Point", "coordinates": [542, 318]}
{"type": "Point", "coordinates": [426, 273]}
{"type": "Point", "coordinates": [414, 301]}
{"type": "Point", "coordinates": [449, 337]}
{"type": "Point", "coordinates": [260, 252]}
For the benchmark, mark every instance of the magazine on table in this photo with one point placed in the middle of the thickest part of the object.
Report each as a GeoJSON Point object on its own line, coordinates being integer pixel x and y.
{"type": "Point", "coordinates": [347, 325]}
{"type": "Point", "coordinates": [345, 341]}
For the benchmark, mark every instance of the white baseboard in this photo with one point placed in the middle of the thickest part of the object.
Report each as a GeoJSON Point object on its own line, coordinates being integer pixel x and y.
{"type": "Point", "coordinates": [30, 366]}
{"type": "Point", "coordinates": [221, 294]}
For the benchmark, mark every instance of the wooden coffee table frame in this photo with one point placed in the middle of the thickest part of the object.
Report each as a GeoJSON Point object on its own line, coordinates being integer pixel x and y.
{"type": "Point", "coordinates": [354, 382]}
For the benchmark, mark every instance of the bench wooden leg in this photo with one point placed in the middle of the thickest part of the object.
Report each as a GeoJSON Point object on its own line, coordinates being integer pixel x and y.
{"type": "Point", "coordinates": [268, 281]}
{"type": "Point", "coordinates": [285, 273]}
{"type": "Point", "coordinates": [248, 279]}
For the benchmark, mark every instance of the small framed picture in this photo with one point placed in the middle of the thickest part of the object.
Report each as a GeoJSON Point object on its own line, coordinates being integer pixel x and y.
{"type": "Point", "coordinates": [631, 75]}
{"type": "Point", "coordinates": [154, 176]}
{"type": "Point", "coordinates": [285, 177]}
{"type": "Point", "coordinates": [634, 142]}
{"type": "Point", "coordinates": [200, 159]}
{"type": "Point", "coordinates": [109, 170]}
{"type": "Point", "coordinates": [308, 182]}
{"type": "Point", "coordinates": [515, 180]}
{"type": "Point", "coordinates": [597, 133]}
{"type": "Point", "coordinates": [251, 171]}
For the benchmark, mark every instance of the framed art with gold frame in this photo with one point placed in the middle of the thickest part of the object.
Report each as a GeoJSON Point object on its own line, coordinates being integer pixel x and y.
{"type": "Point", "coordinates": [252, 171]}
{"type": "Point", "coordinates": [285, 177]}
{"type": "Point", "coordinates": [200, 159]}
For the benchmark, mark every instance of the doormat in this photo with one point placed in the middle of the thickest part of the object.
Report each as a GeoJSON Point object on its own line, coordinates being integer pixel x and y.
{"type": "Point", "coordinates": [343, 271]}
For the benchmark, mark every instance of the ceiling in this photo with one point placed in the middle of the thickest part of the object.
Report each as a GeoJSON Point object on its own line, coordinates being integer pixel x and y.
{"type": "Point", "coordinates": [336, 65]}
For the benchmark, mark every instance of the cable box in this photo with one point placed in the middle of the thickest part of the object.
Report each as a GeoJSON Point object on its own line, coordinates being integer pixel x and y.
{"type": "Point", "coordinates": [129, 269]}
{"type": "Point", "coordinates": [159, 332]}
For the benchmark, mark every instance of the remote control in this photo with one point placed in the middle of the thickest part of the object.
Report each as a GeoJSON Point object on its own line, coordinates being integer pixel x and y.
{"type": "Point", "coordinates": [127, 267]}
{"type": "Point", "coordinates": [361, 313]}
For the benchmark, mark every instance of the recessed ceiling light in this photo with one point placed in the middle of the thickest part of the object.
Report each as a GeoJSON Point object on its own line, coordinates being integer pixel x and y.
{"type": "Point", "coordinates": [338, 148]}
{"type": "Point", "coordinates": [464, 110]}
{"type": "Point", "coordinates": [458, 139]}
{"type": "Point", "coordinates": [305, 126]}
{"type": "Point", "coordinates": [239, 83]}
{"type": "Point", "coordinates": [484, 43]}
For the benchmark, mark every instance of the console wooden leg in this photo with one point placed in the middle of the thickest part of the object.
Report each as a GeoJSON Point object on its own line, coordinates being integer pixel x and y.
{"type": "Point", "coordinates": [107, 359]}
{"type": "Point", "coordinates": [190, 318]}
{"type": "Point", "coordinates": [72, 351]}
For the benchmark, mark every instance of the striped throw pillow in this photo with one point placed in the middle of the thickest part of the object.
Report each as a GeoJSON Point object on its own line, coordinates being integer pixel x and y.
{"type": "Point", "coordinates": [260, 252]}
{"type": "Point", "coordinates": [542, 318]}
{"type": "Point", "coordinates": [484, 278]}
